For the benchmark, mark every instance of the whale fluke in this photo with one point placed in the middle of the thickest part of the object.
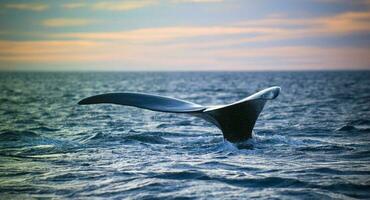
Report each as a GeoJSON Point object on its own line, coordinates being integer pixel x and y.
{"type": "Point", "coordinates": [146, 101]}
{"type": "Point", "coordinates": [236, 120]}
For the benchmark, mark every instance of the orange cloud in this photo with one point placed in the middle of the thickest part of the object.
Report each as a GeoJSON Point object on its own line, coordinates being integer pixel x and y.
{"type": "Point", "coordinates": [167, 33]}
{"type": "Point", "coordinates": [187, 58]}
{"type": "Point", "coordinates": [62, 22]}
{"type": "Point", "coordinates": [122, 5]}
{"type": "Point", "coordinates": [27, 6]}
{"type": "Point", "coordinates": [249, 31]}
{"type": "Point", "coordinates": [128, 5]}
{"type": "Point", "coordinates": [112, 5]}
{"type": "Point", "coordinates": [345, 23]}
{"type": "Point", "coordinates": [363, 2]}
{"type": "Point", "coordinates": [74, 5]}
{"type": "Point", "coordinates": [149, 48]}
{"type": "Point", "coordinates": [197, 1]}
{"type": "Point", "coordinates": [45, 51]}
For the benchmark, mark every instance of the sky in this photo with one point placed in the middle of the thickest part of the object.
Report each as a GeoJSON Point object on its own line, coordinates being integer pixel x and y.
{"type": "Point", "coordinates": [137, 35]}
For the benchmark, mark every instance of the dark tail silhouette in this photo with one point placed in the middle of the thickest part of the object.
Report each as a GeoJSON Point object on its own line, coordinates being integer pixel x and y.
{"type": "Point", "coordinates": [235, 120]}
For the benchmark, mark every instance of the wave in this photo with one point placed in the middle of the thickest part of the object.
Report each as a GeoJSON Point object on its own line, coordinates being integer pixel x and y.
{"type": "Point", "coordinates": [350, 189]}
{"type": "Point", "coordinates": [17, 135]}
{"type": "Point", "coordinates": [346, 128]}
{"type": "Point", "coordinates": [176, 124]}
{"type": "Point", "coordinates": [361, 122]}
{"type": "Point", "coordinates": [262, 182]}
{"type": "Point", "coordinates": [44, 129]}
{"type": "Point", "coordinates": [29, 143]}
{"type": "Point", "coordinates": [183, 175]}
{"type": "Point", "coordinates": [148, 138]}
{"type": "Point", "coordinates": [335, 148]}
{"type": "Point", "coordinates": [359, 125]}
{"type": "Point", "coordinates": [354, 128]}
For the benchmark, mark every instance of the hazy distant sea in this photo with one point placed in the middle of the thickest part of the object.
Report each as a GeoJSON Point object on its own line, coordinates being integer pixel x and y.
{"type": "Point", "coordinates": [312, 142]}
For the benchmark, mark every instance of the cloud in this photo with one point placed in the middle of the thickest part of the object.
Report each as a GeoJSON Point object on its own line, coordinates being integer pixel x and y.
{"type": "Point", "coordinates": [344, 23]}
{"type": "Point", "coordinates": [143, 57]}
{"type": "Point", "coordinates": [46, 51]}
{"type": "Point", "coordinates": [221, 47]}
{"type": "Point", "coordinates": [197, 1]}
{"type": "Point", "coordinates": [74, 5]}
{"type": "Point", "coordinates": [128, 5]}
{"type": "Point", "coordinates": [64, 22]}
{"type": "Point", "coordinates": [122, 5]}
{"type": "Point", "coordinates": [263, 30]}
{"type": "Point", "coordinates": [112, 5]}
{"type": "Point", "coordinates": [359, 2]}
{"type": "Point", "coordinates": [165, 33]}
{"type": "Point", "coordinates": [27, 6]}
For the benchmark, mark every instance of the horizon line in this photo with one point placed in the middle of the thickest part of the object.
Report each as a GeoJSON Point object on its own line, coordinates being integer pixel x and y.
{"type": "Point", "coordinates": [183, 71]}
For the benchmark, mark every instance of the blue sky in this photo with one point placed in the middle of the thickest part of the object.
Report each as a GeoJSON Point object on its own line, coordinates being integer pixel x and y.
{"type": "Point", "coordinates": [185, 35]}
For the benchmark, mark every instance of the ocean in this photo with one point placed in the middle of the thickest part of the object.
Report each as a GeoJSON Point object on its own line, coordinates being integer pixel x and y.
{"type": "Point", "coordinates": [311, 142]}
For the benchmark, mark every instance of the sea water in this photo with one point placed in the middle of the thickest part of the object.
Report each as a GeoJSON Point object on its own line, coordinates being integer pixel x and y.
{"type": "Point", "coordinates": [313, 141]}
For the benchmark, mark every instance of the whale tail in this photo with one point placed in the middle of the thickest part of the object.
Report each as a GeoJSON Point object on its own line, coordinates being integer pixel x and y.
{"type": "Point", "coordinates": [235, 120]}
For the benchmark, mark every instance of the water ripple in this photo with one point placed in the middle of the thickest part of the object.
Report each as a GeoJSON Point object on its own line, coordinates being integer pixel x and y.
{"type": "Point", "coordinates": [312, 142]}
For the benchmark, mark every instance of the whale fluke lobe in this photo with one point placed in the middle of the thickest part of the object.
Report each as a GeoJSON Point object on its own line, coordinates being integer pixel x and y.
{"type": "Point", "coordinates": [236, 120]}
{"type": "Point", "coordinates": [146, 101]}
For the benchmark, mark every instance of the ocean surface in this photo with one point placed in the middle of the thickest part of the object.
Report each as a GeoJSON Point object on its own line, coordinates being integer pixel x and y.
{"type": "Point", "coordinates": [311, 142]}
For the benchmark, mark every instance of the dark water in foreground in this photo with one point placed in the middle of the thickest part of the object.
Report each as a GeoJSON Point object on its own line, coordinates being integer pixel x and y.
{"type": "Point", "coordinates": [311, 142]}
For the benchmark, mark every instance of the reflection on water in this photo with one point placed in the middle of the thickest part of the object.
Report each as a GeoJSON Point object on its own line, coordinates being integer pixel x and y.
{"type": "Point", "coordinates": [311, 142]}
